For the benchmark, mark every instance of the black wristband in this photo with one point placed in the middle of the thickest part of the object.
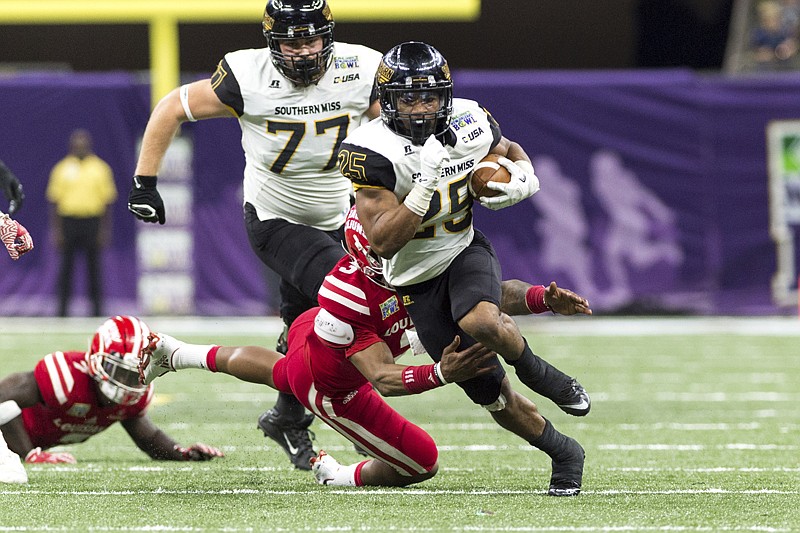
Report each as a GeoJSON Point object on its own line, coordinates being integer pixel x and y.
{"type": "Point", "coordinates": [144, 182]}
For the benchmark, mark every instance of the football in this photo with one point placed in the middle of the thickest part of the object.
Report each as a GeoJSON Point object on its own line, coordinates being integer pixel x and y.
{"type": "Point", "coordinates": [488, 169]}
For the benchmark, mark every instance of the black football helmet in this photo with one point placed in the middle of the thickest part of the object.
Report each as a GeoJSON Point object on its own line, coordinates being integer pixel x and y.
{"type": "Point", "coordinates": [410, 70]}
{"type": "Point", "coordinates": [296, 19]}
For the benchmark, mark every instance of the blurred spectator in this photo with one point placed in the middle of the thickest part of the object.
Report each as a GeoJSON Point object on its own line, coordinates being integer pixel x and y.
{"type": "Point", "coordinates": [81, 187]}
{"type": "Point", "coordinates": [774, 40]}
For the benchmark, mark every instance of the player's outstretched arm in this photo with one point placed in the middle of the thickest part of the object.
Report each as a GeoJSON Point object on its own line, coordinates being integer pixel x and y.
{"type": "Point", "coordinates": [195, 101]}
{"type": "Point", "coordinates": [160, 446]}
{"type": "Point", "coordinates": [377, 365]}
{"type": "Point", "coordinates": [522, 298]}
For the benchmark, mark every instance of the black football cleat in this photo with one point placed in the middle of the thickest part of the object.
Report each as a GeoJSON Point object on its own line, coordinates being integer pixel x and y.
{"type": "Point", "coordinates": [567, 473]}
{"type": "Point", "coordinates": [293, 437]}
{"type": "Point", "coordinates": [573, 399]}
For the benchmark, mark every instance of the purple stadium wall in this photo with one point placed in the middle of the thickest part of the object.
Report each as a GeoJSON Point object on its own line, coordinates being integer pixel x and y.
{"type": "Point", "coordinates": [654, 189]}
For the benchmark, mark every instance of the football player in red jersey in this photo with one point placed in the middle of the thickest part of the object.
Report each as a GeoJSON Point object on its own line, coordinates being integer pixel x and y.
{"type": "Point", "coordinates": [72, 395]}
{"type": "Point", "coordinates": [341, 360]}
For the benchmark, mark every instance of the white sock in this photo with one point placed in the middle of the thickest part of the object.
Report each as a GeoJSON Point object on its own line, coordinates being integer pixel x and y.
{"type": "Point", "coordinates": [345, 476]}
{"type": "Point", "coordinates": [3, 445]}
{"type": "Point", "coordinates": [191, 356]}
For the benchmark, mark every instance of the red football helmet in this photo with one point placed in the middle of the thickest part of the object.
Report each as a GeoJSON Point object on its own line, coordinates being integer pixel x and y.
{"type": "Point", "coordinates": [113, 358]}
{"type": "Point", "coordinates": [357, 246]}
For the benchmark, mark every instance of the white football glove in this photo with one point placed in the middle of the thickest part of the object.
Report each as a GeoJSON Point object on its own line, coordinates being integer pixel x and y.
{"type": "Point", "coordinates": [15, 237]}
{"type": "Point", "coordinates": [432, 157]}
{"type": "Point", "coordinates": [523, 184]}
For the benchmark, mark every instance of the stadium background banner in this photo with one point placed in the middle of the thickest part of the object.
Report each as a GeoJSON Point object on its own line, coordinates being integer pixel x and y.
{"type": "Point", "coordinates": [655, 192]}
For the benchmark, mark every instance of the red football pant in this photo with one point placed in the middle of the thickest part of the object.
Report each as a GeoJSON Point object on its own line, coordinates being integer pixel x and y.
{"type": "Point", "coordinates": [363, 417]}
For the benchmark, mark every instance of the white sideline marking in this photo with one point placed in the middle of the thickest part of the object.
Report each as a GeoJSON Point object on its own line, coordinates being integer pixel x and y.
{"type": "Point", "coordinates": [578, 326]}
{"type": "Point", "coordinates": [515, 529]}
{"type": "Point", "coordinates": [699, 447]}
{"type": "Point", "coordinates": [158, 469]}
{"type": "Point", "coordinates": [366, 491]}
{"type": "Point", "coordinates": [479, 448]}
{"type": "Point", "coordinates": [700, 470]}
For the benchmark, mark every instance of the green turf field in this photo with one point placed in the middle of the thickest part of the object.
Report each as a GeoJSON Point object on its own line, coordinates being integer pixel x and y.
{"type": "Point", "coordinates": [691, 429]}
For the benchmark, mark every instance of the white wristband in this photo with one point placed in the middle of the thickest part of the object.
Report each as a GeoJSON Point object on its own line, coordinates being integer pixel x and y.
{"type": "Point", "coordinates": [437, 369]}
{"type": "Point", "coordinates": [419, 200]}
{"type": "Point", "coordinates": [526, 166]}
{"type": "Point", "coordinates": [9, 410]}
{"type": "Point", "coordinates": [184, 93]}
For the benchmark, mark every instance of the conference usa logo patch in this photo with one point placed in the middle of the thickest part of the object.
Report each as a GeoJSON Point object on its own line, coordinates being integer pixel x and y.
{"type": "Point", "coordinates": [389, 307]}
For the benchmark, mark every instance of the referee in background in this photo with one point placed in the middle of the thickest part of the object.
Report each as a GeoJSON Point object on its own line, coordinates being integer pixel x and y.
{"type": "Point", "coordinates": [81, 187]}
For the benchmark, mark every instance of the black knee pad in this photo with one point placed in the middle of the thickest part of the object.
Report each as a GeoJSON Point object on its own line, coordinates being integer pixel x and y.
{"type": "Point", "coordinates": [484, 390]}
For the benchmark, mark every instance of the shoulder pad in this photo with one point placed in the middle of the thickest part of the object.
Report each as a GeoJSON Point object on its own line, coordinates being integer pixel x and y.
{"type": "Point", "coordinates": [333, 331]}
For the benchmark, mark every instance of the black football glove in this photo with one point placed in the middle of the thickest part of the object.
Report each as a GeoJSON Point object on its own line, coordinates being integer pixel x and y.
{"type": "Point", "coordinates": [12, 189]}
{"type": "Point", "coordinates": [144, 201]}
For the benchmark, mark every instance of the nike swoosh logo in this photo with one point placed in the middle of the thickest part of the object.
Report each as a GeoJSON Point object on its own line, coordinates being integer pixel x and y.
{"type": "Point", "coordinates": [136, 183]}
{"type": "Point", "coordinates": [583, 404]}
{"type": "Point", "coordinates": [292, 449]}
{"type": "Point", "coordinates": [523, 179]}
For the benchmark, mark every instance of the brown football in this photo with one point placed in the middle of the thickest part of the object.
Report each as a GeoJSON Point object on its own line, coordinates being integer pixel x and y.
{"type": "Point", "coordinates": [488, 169]}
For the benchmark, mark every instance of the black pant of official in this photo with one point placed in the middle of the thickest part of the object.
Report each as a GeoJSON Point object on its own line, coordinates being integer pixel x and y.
{"type": "Point", "coordinates": [80, 234]}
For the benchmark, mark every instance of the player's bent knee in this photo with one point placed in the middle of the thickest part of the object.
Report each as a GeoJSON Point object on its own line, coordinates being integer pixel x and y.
{"type": "Point", "coordinates": [485, 390]}
{"type": "Point", "coordinates": [428, 474]}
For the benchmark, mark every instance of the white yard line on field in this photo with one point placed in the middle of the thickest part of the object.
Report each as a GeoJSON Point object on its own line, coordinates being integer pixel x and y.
{"type": "Point", "coordinates": [558, 325]}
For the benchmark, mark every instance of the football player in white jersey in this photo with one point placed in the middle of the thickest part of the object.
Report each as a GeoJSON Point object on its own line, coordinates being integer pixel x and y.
{"type": "Point", "coordinates": [296, 100]}
{"type": "Point", "coordinates": [411, 171]}
{"type": "Point", "coordinates": [342, 360]}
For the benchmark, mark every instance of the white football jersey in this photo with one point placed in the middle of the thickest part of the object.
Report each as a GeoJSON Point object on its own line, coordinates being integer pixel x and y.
{"type": "Point", "coordinates": [375, 156]}
{"type": "Point", "coordinates": [291, 135]}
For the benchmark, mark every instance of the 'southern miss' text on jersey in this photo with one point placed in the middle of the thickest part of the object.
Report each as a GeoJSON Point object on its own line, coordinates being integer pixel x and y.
{"type": "Point", "coordinates": [291, 134]}
{"type": "Point", "coordinates": [374, 156]}
{"type": "Point", "coordinates": [70, 410]}
{"type": "Point", "coordinates": [375, 313]}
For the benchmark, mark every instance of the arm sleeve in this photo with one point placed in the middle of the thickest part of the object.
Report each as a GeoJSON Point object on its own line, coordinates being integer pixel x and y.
{"type": "Point", "coordinates": [496, 132]}
{"type": "Point", "coordinates": [366, 168]}
{"type": "Point", "coordinates": [226, 87]}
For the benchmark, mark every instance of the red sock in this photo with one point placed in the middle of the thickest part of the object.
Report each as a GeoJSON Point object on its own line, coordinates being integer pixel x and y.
{"type": "Point", "coordinates": [357, 476]}
{"type": "Point", "coordinates": [211, 359]}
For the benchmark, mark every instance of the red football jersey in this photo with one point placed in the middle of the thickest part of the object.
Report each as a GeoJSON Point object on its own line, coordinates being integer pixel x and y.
{"type": "Point", "coordinates": [71, 411]}
{"type": "Point", "coordinates": [375, 313]}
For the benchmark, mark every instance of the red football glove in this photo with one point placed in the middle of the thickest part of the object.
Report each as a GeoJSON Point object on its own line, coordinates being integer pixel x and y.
{"type": "Point", "coordinates": [199, 452]}
{"type": "Point", "coordinates": [15, 237]}
{"type": "Point", "coordinates": [36, 455]}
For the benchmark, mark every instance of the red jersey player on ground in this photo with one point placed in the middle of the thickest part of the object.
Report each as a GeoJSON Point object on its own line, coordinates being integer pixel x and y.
{"type": "Point", "coordinates": [341, 359]}
{"type": "Point", "coordinates": [71, 396]}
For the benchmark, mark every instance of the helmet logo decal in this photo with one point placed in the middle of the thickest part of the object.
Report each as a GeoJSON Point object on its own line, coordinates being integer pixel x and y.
{"type": "Point", "coordinates": [384, 73]}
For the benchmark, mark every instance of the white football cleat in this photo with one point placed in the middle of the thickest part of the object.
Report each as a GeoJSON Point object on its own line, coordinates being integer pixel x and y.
{"type": "Point", "coordinates": [11, 468]}
{"type": "Point", "coordinates": [324, 467]}
{"type": "Point", "coordinates": [156, 358]}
